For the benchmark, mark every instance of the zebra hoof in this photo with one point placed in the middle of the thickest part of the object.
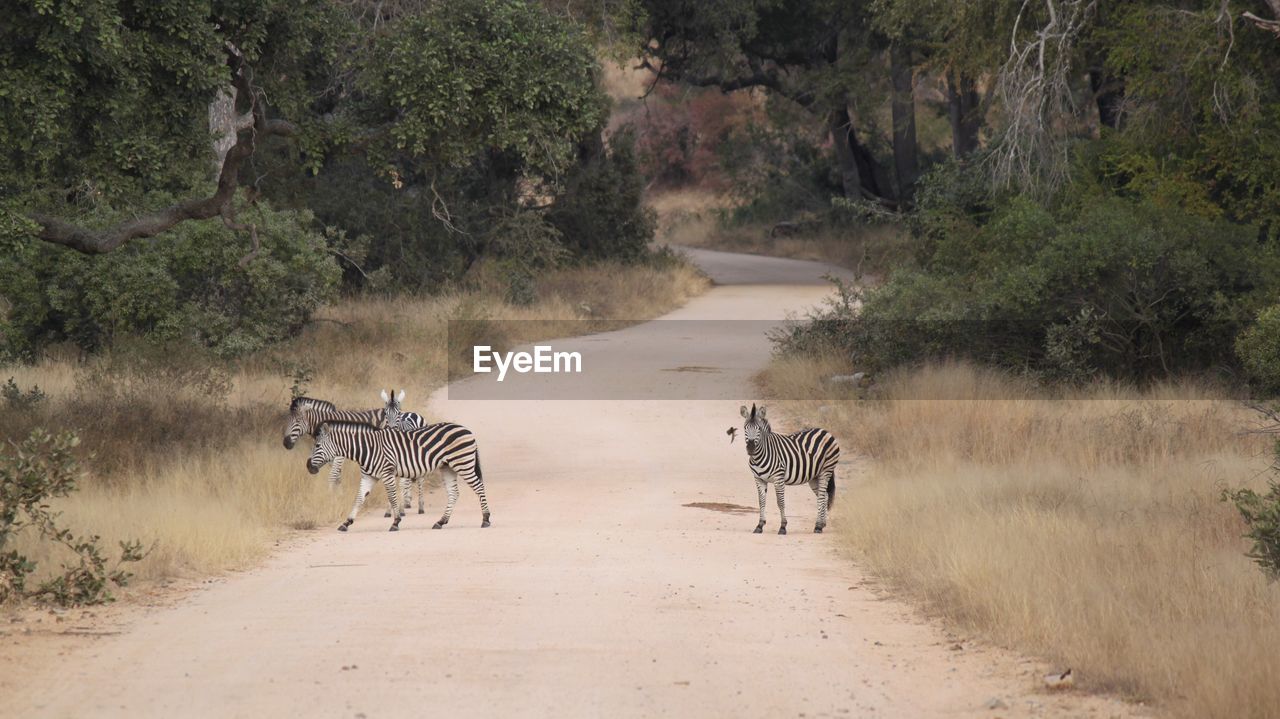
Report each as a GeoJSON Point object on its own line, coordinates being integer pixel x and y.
{"type": "Point", "coordinates": [484, 524]}
{"type": "Point", "coordinates": [342, 527]}
{"type": "Point", "coordinates": [817, 530]}
{"type": "Point", "coordinates": [759, 530]}
{"type": "Point", "coordinates": [782, 530]}
{"type": "Point", "coordinates": [387, 514]}
{"type": "Point", "coordinates": [421, 510]}
{"type": "Point", "coordinates": [437, 525]}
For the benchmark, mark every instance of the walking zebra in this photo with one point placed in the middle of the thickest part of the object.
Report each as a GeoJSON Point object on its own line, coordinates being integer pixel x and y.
{"type": "Point", "coordinates": [306, 414]}
{"type": "Point", "coordinates": [385, 453]}
{"type": "Point", "coordinates": [808, 456]}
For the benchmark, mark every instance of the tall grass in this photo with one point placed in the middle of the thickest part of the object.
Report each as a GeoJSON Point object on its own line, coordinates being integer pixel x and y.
{"type": "Point", "coordinates": [1085, 528]}
{"type": "Point", "coordinates": [187, 451]}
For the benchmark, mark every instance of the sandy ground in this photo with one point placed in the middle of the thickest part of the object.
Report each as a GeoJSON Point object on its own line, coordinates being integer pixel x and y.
{"type": "Point", "coordinates": [598, 591]}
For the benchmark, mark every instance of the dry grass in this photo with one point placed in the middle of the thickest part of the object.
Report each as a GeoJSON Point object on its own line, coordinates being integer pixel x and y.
{"type": "Point", "coordinates": [1086, 529]}
{"type": "Point", "coordinates": [691, 218]}
{"type": "Point", "coordinates": [187, 450]}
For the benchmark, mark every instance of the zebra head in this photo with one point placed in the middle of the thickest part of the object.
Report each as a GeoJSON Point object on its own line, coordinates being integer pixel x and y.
{"type": "Point", "coordinates": [325, 450]}
{"type": "Point", "coordinates": [755, 427]}
{"type": "Point", "coordinates": [301, 418]}
{"type": "Point", "coordinates": [391, 411]}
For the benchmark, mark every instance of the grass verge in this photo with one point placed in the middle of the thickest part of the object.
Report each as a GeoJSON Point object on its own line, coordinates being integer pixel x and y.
{"type": "Point", "coordinates": [1086, 528]}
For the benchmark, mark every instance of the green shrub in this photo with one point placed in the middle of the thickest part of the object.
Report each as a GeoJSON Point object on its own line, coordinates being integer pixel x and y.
{"type": "Point", "coordinates": [1110, 286]}
{"type": "Point", "coordinates": [186, 285]}
{"type": "Point", "coordinates": [40, 468]}
{"type": "Point", "coordinates": [601, 213]}
{"type": "Point", "coordinates": [1261, 513]}
{"type": "Point", "coordinates": [1258, 348]}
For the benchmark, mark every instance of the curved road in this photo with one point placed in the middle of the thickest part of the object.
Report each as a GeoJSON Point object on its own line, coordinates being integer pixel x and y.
{"type": "Point", "coordinates": [597, 592]}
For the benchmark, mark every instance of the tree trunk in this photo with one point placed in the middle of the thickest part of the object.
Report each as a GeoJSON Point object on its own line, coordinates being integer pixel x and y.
{"type": "Point", "coordinates": [838, 123]}
{"type": "Point", "coordinates": [906, 161]}
{"type": "Point", "coordinates": [1108, 92]}
{"type": "Point", "coordinates": [966, 117]}
{"type": "Point", "coordinates": [857, 166]}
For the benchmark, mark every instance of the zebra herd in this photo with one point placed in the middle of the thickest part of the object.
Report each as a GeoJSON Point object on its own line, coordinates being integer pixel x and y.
{"type": "Point", "coordinates": [389, 444]}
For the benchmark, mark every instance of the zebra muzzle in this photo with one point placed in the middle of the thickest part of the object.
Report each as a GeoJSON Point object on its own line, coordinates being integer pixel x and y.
{"type": "Point", "coordinates": [312, 468]}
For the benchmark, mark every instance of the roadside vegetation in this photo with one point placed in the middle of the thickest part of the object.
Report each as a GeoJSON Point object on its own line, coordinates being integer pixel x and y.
{"type": "Point", "coordinates": [1080, 204]}
{"type": "Point", "coordinates": [207, 209]}
{"type": "Point", "coordinates": [1084, 525]}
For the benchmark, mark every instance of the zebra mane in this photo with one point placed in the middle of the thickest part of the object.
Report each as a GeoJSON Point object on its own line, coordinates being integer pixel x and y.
{"type": "Point", "coordinates": [310, 402]}
{"type": "Point", "coordinates": [343, 424]}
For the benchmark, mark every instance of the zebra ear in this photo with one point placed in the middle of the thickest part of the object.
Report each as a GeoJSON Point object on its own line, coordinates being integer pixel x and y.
{"type": "Point", "coordinates": [744, 412]}
{"type": "Point", "coordinates": [385, 398]}
{"type": "Point", "coordinates": [760, 412]}
{"type": "Point", "coordinates": [400, 397]}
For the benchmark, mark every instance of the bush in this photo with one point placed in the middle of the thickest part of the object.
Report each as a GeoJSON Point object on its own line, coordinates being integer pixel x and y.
{"type": "Point", "coordinates": [1110, 285]}
{"type": "Point", "coordinates": [602, 213]}
{"type": "Point", "coordinates": [1261, 513]}
{"type": "Point", "coordinates": [1258, 348]}
{"type": "Point", "coordinates": [185, 285]}
{"type": "Point", "coordinates": [41, 468]}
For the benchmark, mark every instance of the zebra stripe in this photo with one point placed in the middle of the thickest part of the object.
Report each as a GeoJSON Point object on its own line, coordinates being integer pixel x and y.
{"type": "Point", "coordinates": [306, 414]}
{"type": "Point", "coordinates": [385, 453]}
{"type": "Point", "coordinates": [806, 457]}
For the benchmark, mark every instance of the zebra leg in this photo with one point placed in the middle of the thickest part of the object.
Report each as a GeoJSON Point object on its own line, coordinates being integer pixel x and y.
{"type": "Point", "coordinates": [780, 489]}
{"type": "Point", "coordinates": [762, 490]}
{"type": "Point", "coordinates": [819, 487]}
{"type": "Point", "coordinates": [451, 484]}
{"type": "Point", "coordinates": [404, 492]}
{"type": "Point", "coordinates": [390, 481]}
{"type": "Point", "coordinates": [366, 484]}
{"type": "Point", "coordinates": [477, 485]}
{"type": "Point", "coordinates": [335, 475]}
{"type": "Point", "coordinates": [422, 507]}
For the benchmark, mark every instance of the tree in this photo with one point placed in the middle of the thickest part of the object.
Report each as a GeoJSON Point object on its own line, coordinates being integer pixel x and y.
{"type": "Point", "coordinates": [799, 51]}
{"type": "Point", "coordinates": [106, 103]}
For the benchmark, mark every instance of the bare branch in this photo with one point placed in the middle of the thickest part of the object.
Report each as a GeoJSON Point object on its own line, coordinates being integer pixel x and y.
{"type": "Point", "coordinates": [1034, 90]}
{"type": "Point", "coordinates": [1271, 26]}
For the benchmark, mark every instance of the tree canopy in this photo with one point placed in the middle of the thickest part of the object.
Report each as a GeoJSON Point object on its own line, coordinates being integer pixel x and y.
{"type": "Point", "coordinates": [106, 105]}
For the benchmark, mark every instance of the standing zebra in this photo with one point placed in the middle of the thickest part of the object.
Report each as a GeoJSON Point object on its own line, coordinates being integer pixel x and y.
{"type": "Point", "coordinates": [385, 453]}
{"type": "Point", "coordinates": [306, 414]}
{"type": "Point", "coordinates": [809, 455]}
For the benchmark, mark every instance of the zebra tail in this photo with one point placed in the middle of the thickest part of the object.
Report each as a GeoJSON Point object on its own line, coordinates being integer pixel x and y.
{"type": "Point", "coordinates": [479, 474]}
{"type": "Point", "coordinates": [831, 492]}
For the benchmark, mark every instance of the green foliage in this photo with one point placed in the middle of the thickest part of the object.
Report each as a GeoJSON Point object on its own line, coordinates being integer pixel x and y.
{"type": "Point", "coordinates": [188, 287]}
{"type": "Point", "coordinates": [1115, 286]}
{"type": "Point", "coordinates": [779, 170]}
{"type": "Point", "coordinates": [458, 79]}
{"type": "Point", "coordinates": [41, 468]}
{"type": "Point", "coordinates": [1258, 348]}
{"type": "Point", "coordinates": [101, 101]}
{"type": "Point", "coordinates": [601, 212]}
{"type": "Point", "coordinates": [17, 400]}
{"type": "Point", "coordinates": [1261, 513]}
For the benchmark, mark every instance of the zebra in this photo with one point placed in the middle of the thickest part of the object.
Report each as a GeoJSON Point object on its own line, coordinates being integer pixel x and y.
{"type": "Point", "coordinates": [307, 413]}
{"type": "Point", "coordinates": [808, 456]}
{"type": "Point", "coordinates": [384, 453]}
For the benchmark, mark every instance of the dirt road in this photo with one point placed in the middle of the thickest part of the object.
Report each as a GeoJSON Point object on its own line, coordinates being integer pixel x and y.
{"type": "Point", "coordinates": [597, 591]}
